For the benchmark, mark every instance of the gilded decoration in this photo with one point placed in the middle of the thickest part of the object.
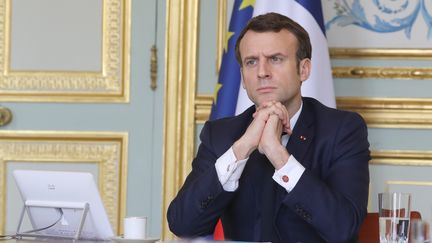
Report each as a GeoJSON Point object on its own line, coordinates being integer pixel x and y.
{"type": "Point", "coordinates": [203, 105]}
{"type": "Point", "coordinates": [107, 150]}
{"type": "Point", "coordinates": [409, 183]}
{"type": "Point", "coordinates": [390, 112]}
{"type": "Point", "coordinates": [180, 72]}
{"type": "Point", "coordinates": [403, 54]}
{"type": "Point", "coordinates": [111, 84]}
{"type": "Point", "coordinates": [401, 157]}
{"type": "Point", "coordinates": [382, 72]}
{"type": "Point", "coordinates": [5, 116]}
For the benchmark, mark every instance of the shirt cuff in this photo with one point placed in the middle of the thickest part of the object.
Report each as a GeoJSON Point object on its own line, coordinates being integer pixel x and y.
{"type": "Point", "coordinates": [229, 170]}
{"type": "Point", "coordinates": [289, 174]}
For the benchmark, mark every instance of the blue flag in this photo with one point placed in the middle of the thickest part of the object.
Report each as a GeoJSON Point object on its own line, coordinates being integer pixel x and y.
{"type": "Point", "coordinates": [228, 85]}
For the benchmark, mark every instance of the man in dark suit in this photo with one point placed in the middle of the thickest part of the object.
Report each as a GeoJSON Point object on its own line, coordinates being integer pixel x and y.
{"type": "Point", "coordinates": [288, 169]}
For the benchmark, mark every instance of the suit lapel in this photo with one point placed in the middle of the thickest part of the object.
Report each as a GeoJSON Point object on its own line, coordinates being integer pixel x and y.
{"type": "Point", "coordinates": [302, 135]}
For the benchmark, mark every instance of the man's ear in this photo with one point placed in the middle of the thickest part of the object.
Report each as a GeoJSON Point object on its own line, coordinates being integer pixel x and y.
{"type": "Point", "coordinates": [305, 69]}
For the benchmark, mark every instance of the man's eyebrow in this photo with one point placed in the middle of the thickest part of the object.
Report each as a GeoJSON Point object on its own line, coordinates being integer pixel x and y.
{"type": "Point", "coordinates": [266, 56]}
{"type": "Point", "coordinates": [250, 57]}
{"type": "Point", "coordinates": [275, 54]}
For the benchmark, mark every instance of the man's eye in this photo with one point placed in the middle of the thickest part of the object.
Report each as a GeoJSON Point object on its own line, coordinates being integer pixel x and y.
{"type": "Point", "coordinates": [250, 62]}
{"type": "Point", "coordinates": [276, 59]}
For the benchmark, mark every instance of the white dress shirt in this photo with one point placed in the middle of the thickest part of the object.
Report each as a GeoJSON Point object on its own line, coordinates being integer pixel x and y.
{"type": "Point", "coordinates": [229, 169]}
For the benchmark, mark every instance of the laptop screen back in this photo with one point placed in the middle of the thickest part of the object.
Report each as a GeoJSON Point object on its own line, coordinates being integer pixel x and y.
{"type": "Point", "coordinates": [63, 188]}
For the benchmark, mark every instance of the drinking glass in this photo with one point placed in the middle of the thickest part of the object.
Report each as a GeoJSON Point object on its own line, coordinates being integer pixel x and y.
{"type": "Point", "coordinates": [394, 217]}
{"type": "Point", "coordinates": [420, 231]}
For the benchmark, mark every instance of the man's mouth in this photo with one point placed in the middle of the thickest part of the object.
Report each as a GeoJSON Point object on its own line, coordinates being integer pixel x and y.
{"type": "Point", "coordinates": [266, 89]}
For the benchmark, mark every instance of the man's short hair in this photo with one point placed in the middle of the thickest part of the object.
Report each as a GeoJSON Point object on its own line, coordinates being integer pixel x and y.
{"type": "Point", "coordinates": [274, 22]}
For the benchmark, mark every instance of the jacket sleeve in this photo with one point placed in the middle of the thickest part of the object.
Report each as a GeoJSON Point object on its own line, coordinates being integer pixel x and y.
{"type": "Point", "coordinates": [201, 200]}
{"type": "Point", "coordinates": [336, 204]}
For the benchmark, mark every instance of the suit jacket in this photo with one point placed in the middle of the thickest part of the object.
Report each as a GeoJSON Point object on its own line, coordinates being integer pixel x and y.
{"type": "Point", "coordinates": [328, 204]}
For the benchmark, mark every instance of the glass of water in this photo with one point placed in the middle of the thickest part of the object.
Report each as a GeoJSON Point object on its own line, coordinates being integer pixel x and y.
{"type": "Point", "coordinates": [394, 217]}
{"type": "Point", "coordinates": [420, 231]}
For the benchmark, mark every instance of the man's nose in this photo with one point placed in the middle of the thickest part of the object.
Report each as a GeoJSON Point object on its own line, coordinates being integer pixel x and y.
{"type": "Point", "coordinates": [263, 70]}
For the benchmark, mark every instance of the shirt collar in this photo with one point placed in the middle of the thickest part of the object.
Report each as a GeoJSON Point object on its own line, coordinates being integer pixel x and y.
{"type": "Point", "coordinates": [294, 119]}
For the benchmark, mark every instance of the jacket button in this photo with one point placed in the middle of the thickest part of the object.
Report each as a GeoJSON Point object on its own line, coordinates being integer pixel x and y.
{"type": "Point", "coordinates": [203, 204]}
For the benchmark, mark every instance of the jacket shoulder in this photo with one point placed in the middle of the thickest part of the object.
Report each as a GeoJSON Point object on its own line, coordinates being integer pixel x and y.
{"type": "Point", "coordinates": [326, 113]}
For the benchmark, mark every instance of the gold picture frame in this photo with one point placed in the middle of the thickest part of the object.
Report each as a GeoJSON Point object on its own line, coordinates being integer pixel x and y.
{"type": "Point", "coordinates": [110, 84]}
{"type": "Point", "coordinates": [179, 108]}
{"type": "Point", "coordinates": [107, 150]}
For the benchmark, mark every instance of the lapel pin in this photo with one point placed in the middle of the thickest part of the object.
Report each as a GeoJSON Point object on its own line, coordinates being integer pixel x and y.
{"type": "Point", "coordinates": [303, 138]}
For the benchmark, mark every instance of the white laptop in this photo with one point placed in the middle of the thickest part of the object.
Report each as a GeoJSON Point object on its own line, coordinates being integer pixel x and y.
{"type": "Point", "coordinates": [56, 202]}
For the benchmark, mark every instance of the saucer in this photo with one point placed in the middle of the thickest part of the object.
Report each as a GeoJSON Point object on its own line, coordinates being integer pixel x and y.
{"type": "Point", "coordinates": [121, 239]}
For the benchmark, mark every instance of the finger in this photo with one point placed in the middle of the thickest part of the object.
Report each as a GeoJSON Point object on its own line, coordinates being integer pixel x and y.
{"type": "Point", "coordinates": [286, 117]}
{"type": "Point", "coordinates": [273, 108]}
{"type": "Point", "coordinates": [280, 112]}
{"type": "Point", "coordinates": [265, 105]}
{"type": "Point", "coordinates": [275, 123]}
{"type": "Point", "coordinates": [264, 113]}
{"type": "Point", "coordinates": [260, 108]}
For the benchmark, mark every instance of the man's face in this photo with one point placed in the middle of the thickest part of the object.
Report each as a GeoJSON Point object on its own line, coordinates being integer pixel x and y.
{"type": "Point", "coordinates": [269, 67]}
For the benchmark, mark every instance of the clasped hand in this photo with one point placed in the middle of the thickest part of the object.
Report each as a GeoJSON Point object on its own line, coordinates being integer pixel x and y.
{"type": "Point", "coordinates": [264, 133]}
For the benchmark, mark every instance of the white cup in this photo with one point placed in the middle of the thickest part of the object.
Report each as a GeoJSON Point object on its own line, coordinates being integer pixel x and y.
{"type": "Point", "coordinates": [134, 227]}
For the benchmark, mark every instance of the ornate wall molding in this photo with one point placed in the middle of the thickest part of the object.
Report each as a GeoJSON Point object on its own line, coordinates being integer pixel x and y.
{"type": "Point", "coordinates": [409, 183]}
{"type": "Point", "coordinates": [111, 84]}
{"type": "Point", "coordinates": [378, 112]}
{"type": "Point", "coordinates": [203, 105]}
{"type": "Point", "coordinates": [107, 150]}
{"type": "Point", "coordinates": [382, 72]}
{"type": "Point", "coordinates": [180, 85]}
{"type": "Point", "coordinates": [401, 157]}
{"type": "Point", "coordinates": [5, 116]}
{"type": "Point", "coordinates": [342, 53]}
{"type": "Point", "coordinates": [390, 112]}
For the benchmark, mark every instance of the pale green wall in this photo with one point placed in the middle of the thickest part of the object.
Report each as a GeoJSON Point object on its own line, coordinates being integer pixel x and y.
{"type": "Point", "coordinates": [207, 72]}
{"type": "Point", "coordinates": [145, 175]}
{"type": "Point", "coordinates": [141, 118]}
